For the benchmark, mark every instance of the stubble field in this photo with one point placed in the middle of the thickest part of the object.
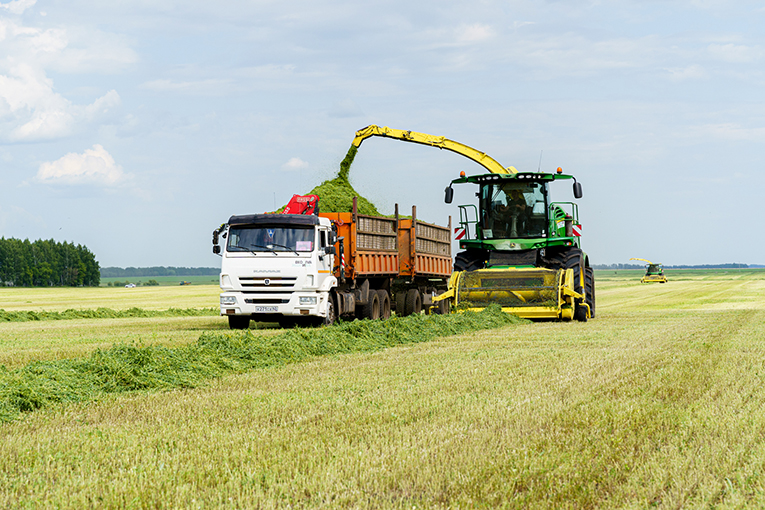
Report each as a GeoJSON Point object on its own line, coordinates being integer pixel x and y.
{"type": "Point", "coordinates": [658, 402]}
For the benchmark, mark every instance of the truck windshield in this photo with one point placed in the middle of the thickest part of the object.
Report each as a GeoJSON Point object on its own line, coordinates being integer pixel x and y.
{"type": "Point", "coordinates": [514, 210]}
{"type": "Point", "coordinates": [270, 239]}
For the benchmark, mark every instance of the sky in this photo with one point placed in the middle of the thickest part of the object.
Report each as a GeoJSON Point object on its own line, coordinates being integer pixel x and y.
{"type": "Point", "coordinates": [136, 127]}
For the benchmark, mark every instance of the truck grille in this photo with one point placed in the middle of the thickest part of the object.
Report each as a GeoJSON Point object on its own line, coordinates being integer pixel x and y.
{"type": "Point", "coordinates": [266, 301]}
{"type": "Point", "coordinates": [264, 282]}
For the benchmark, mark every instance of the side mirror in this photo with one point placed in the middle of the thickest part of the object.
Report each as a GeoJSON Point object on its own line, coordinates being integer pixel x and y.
{"type": "Point", "coordinates": [215, 236]}
{"type": "Point", "coordinates": [448, 194]}
{"type": "Point", "coordinates": [330, 250]}
{"type": "Point", "coordinates": [216, 249]}
{"type": "Point", "coordinates": [577, 190]}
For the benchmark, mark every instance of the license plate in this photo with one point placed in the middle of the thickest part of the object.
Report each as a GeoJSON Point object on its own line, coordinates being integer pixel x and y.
{"type": "Point", "coordinates": [266, 309]}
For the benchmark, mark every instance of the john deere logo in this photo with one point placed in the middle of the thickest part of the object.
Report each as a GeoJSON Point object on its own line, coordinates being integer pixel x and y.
{"type": "Point", "coordinates": [267, 282]}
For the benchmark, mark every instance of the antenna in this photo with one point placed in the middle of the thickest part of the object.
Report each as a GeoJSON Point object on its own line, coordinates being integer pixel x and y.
{"type": "Point", "coordinates": [540, 162]}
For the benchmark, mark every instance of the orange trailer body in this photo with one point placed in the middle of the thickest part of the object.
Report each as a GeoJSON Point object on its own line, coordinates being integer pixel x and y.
{"type": "Point", "coordinates": [382, 247]}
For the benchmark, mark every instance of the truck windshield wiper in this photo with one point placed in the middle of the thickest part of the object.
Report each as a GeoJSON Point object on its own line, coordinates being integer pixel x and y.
{"type": "Point", "coordinates": [286, 247]}
{"type": "Point", "coordinates": [261, 246]}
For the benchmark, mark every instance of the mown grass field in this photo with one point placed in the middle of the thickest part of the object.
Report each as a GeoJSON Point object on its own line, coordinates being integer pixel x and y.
{"type": "Point", "coordinates": [657, 403]}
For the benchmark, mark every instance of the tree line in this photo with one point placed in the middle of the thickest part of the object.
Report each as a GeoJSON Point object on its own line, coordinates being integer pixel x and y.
{"type": "Point", "coordinates": [134, 272]}
{"type": "Point", "coordinates": [46, 264]}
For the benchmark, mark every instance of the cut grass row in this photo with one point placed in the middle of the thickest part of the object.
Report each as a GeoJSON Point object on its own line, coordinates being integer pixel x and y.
{"type": "Point", "coordinates": [126, 368]}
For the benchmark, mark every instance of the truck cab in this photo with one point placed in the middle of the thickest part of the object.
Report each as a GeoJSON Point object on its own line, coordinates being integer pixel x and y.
{"type": "Point", "coordinates": [276, 268]}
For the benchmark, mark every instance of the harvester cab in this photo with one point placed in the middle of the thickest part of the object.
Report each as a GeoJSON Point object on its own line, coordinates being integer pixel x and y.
{"type": "Point", "coordinates": [521, 250]}
{"type": "Point", "coordinates": [654, 272]}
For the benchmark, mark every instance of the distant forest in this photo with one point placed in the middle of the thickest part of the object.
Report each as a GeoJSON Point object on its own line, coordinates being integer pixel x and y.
{"type": "Point", "coordinates": [46, 264]}
{"type": "Point", "coordinates": [134, 272]}
{"type": "Point", "coordinates": [642, 266]}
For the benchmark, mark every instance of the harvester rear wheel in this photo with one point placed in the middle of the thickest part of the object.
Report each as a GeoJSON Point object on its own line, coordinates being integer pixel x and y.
{"type": "Point", "coordinates": [413, 302]}
{"type": "Point", "coordinates": [370, 310]}
{"type": "Point", "coordinates": [384, 299]}
{"type": "Point", "coordinates": [238, 321]}
{"type": "Point", "coordinates": [589, 289]}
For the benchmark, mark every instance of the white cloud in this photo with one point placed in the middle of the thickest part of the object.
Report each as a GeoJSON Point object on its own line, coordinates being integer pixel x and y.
{"type": "Point", "coordinates": [474, 33]}
{"type": "Point", "coordinates": [94, 166]}
{"type": "Point", "coordinates": [735, 53]}
{"type": "Point", "coordinates": [18, 6]}
{"type": "Point", "coordinates": [294, 164]}
{"type": "Point", "coordinates": [31, 109]}
{"type": "Point", "coordinates": [691, 72]}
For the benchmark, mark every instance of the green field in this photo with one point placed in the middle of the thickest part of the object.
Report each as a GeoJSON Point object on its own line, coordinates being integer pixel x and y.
{"type": "Point", "coordinates": [162, 280]}
{"type": "Point", "coordinates": [659, 402]}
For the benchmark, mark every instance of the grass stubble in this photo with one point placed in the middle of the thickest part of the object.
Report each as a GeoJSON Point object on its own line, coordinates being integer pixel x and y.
{"type": "Point", "coordinates": [649, 405]}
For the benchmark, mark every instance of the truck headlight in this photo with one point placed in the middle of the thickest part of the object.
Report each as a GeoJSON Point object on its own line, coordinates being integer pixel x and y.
{"type": "Point", "coordinates": [310, 300]}
{"type": "Point", "coordinates": [227, 300]}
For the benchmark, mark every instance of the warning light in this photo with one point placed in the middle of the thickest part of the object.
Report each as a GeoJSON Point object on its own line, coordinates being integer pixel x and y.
{"type": "Point", "coordinates": [462, 173]}
{"type": "Point", "coordinates": [559, 170]}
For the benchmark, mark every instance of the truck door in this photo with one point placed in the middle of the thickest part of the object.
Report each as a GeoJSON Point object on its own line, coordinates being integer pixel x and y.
{"type": "Point", "coordinates": [325, 259]}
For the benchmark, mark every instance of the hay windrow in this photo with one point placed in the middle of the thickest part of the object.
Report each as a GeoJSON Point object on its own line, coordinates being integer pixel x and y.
{"type": "Point", "coordinates": [125, 368]}
{"type": "Point", "coordinates": [103, 313]}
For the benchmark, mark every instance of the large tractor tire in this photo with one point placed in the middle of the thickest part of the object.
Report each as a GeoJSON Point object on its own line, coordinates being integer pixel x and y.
{"type": "Point", "coordinates": [370, 310]}
{"type": "Point", "coordinates": [589, 289]}
{"type": "Point", "coordinates": [413, 303]}
{"type": "Point", "coordinates": [384, 299]}
{"type": "Point", "coordinates": [469, 260]}
{"type": "Point", "coordinates": [238, 321]}
{"type": "Point", "coordinates": [573, 260]}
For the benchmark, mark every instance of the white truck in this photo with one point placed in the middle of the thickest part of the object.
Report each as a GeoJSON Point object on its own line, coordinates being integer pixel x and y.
{"type": "Point", "coordinates": [312, 268]}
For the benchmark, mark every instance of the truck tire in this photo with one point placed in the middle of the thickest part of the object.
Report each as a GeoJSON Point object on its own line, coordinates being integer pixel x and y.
{"type": "Point", "coordinates": [413, 302]}
{"type": "Point", "coordinates": [238, 321]}
{"type": "Point", "coordinates": [331, 312]}
{"type": "Point", "coordinates": [400, 303]}
{"type": "Point", "coordinates": [370, 310]}
{"type": "Point", "coordinates": [384, 299]}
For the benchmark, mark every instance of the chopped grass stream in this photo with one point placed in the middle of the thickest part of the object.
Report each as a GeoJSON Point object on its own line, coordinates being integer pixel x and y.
{"type": "Point", "coordinates": [125, 368]}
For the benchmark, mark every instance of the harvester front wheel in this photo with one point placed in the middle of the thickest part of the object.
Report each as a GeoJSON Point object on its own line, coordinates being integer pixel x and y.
{"type": "Point", "coordinates": [589, 289]}
{"type": "Point", "coordinates": [573, 260]}
{"type": "Point", "coordinates": [413, 303]}
{"type": "Point", "coordinates": [469, 260]}
{"type": "Point", "coordinates": [371, 309]}
{"type": "Point", "coordinates": [384, 299]}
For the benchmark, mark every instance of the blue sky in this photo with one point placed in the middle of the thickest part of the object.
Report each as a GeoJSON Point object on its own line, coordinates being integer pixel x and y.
{"type": "Point", "coordinates": [137, 127]}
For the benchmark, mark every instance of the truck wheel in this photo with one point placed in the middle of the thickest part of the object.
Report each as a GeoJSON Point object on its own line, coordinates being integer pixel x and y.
{"type": "Point", "coordinates": [370, 310]}
{"type": "Point", "coordinates": [384, 299]}
{"type": "Point", "coordinates": [443, 307]}
{"type": "Point", "coordinates": [238, 321]}
{"type": "Point", "coordinates": [331, 312]}
{"type": "Point", "coordinates": [413, 302]}
{"type": "Point", "coordinates": [400, 303]}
